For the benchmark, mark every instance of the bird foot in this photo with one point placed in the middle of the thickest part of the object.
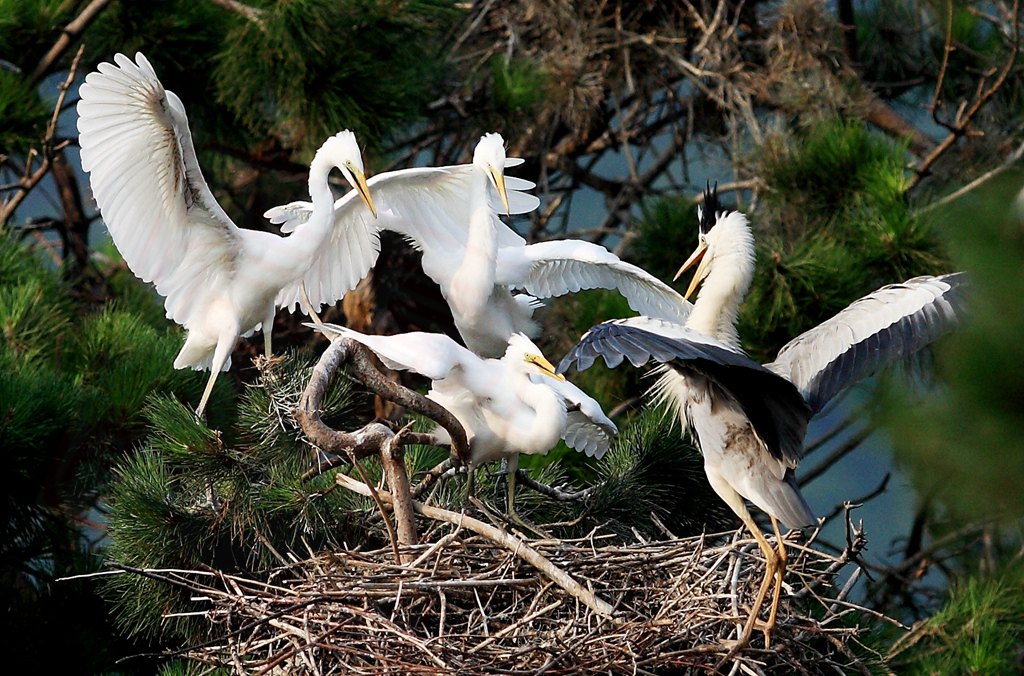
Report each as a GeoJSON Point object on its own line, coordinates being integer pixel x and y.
{"type": "Point", "coordinates": [513, 518]}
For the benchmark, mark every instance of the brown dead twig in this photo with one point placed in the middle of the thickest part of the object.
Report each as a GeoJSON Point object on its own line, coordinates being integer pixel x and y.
{"type": "Point", "coordinates": [988, 85]}
{"type": "Point", "coordinates": [464, 605]}
{"type": "Point", "coordinates": [51, 148]}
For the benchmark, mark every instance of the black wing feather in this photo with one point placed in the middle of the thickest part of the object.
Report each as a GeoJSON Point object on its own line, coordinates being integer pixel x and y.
{"type": "Point", "coordinates": [775, 408]}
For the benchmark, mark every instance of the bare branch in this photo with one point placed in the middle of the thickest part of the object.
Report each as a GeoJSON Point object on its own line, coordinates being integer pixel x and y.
{"type": "Point", "coordinates": [500, 537]}
{"type": "Point", "coordinates": [967, 111]}
{"type": "Point", "coordinates": [253, 14]}
{"type": "Point", "coordinates": [70, 32]}
{"type": "Point", "coordinates": [370, 439]}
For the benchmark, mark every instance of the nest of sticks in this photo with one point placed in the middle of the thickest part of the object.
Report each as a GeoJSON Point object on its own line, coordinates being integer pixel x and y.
{"type": "Point", "coordinates": [466, 604]}
{"type": "Point", "coordinates": [456, 594]}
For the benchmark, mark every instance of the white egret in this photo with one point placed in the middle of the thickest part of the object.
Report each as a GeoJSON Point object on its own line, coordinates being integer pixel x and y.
{"type": "Point", "coordinates": [507, 406]}
{"type": "Point", "coordinates": [452, 215]}
{"type": "Point", "coordinates": [219, 281]}
{"type": "Point", "coordinates": [750, 420]}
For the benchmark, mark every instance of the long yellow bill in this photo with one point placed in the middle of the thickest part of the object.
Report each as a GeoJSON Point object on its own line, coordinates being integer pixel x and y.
{"type": "Point", "coordinates": [364, 190]}
{"type": "Point", "coordinates": [544, 365]}
{"type": "Point", "coordinates": [499, 183]}
{"type": "Point", "coordinates": [697, 255]}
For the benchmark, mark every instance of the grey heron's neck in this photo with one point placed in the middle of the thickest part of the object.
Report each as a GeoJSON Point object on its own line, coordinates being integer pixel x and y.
{"type": "Point", "coordinates": [723, 290]}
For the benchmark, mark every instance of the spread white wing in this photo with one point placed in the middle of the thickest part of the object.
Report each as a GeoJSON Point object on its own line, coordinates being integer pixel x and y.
{"type": "Point", "coordinates": [146, 180]}
{"type": "Point", "coordinates": [550, 269]}
{"type": "Point", "coordinates": [429, 206]}
{"type": "Point", "coordinates": [433, 355]}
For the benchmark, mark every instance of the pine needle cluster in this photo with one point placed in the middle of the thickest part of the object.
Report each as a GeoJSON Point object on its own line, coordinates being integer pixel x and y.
{"type": "Point", "coordinates": [193, 496]}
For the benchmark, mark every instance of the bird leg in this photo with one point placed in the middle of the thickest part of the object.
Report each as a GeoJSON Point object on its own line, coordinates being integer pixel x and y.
{"type": "Point", "coordinates": [771, 571]}
{"type": "Point", "coordinates": [309, 306]}
{"type": "Point", "coordinates": [220, 355]}
{"type": "Point", "coordinates": [200, 412]}
{"type": "Point", "coordinates": [268, 329]}
{"type": "Point", "coordinates": [779, 574]}
{"type": "Point", "coordinates": [470, 482]}
{"type": "Point", "coordinates": [512, 465]}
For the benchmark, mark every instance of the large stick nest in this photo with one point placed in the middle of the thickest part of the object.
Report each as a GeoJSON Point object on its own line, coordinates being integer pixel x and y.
{"type": "Point", "coordinates": [466, 605]}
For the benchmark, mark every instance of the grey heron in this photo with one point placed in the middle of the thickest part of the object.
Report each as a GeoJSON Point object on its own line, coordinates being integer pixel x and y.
{"type": "Point", "coordinates": [749, 420]}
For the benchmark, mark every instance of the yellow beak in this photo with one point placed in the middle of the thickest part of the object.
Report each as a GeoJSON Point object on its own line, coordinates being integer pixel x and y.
{"type": "Point", "coordinates": [696, 256]}
{"type": "Point", "coordinates": [499, 183]}
{"type": "Point", "coordinates": [364, 190]}
{"type": "Point", "coordinates": [545, 366]}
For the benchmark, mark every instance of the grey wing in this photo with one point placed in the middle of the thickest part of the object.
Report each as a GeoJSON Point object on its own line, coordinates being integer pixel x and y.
{"type": "Point", "coordinates": [774, 406]}
{"type": "Point", "coordinates": [881, 328]}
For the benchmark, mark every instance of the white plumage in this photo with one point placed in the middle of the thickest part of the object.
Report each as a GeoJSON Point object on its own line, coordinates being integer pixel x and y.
{"type": "Point", "coordinates": [452, 215]}
{"type": "Point", "coordinates": [218, 281]}
{"type": "Point", "coordinates": [507, 406]}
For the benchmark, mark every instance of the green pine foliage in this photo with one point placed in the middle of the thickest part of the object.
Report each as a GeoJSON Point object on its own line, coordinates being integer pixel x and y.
{"type": "Point", "coordinates": [519, 86]}
{"type": "Point", "coordinates": [25, 116]}
{"type": "Point", "coordinates": [813, 175]}
{"type": "Point", "coordinates": [979, 631]}
{"type": "Point", "coordinates": [971, 429]}
{"type": "Point", "coordinates": [73, 382]}
{"type": "Point", "coordinates": [796, 285]}
{"type": "Point", "coordinates": [836, 226]}
{"type": "Point", "coordinates": [26, 30]}
{"type": "Point", "coordinates": [193, 496]}
{"type": "Point", "coordinates": [307, 69]}
{"type": "Point", "coordinates": [664, 235]}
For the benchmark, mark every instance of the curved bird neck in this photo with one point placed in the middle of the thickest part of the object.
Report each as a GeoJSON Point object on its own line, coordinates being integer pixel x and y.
{"type": "Point", "coordinates": [298, 249]}
{"type": "Point", "coordinates": [473, 280]}
{"type": "Point", "coordinates": [723, 290]}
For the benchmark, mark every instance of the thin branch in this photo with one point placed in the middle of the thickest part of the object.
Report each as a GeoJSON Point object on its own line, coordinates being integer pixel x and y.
{"type": "Point", "coordinates": [966, 113]}
{"type": "Point", "coordinates": [50, 148]}
{"type": "Point", "coordinates": [553, 492]}
{"type": "Point", "coordinates": [499, 537]}
{"type": "Point", "coordinates": [253, 14]}
{"type": "Point", "coordinates": [68, 34]}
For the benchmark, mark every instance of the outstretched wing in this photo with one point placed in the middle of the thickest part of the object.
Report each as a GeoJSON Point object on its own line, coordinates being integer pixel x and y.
{"type": "Point", "coordinates": [587, 428]}
{"type": "Point", "coordinates": [346, 256]}
{"type": "Point", "coordinates": [550, 269]}
{"type": "Point", "coordinates": [428, 205]}
{"type": "Point", "coordinates": [873, 332]}
{"type": "Point", "coordinates": [146, 180]}
{"type": "Point", "coordinates": [773, 405]}
{"type": "Point", "coordinates": [433, 355]}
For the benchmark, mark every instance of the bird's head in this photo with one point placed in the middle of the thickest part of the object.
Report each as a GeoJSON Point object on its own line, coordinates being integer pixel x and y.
{"type": "Point", "coordinates": [720, 231]}
{"type": "Point", "coordinates": [342, 151]}
{"type": "Point", "coordinates": [489, 157]}
{"type": "Point", "coordinates": [522, 350]}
